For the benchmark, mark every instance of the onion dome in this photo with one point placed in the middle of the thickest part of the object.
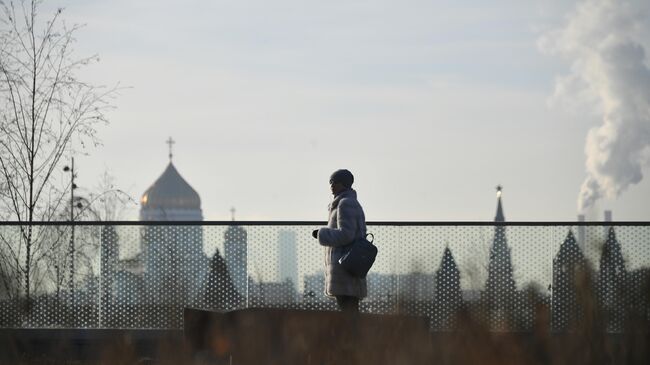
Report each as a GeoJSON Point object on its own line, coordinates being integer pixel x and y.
{"type": "Point", "coordinates": [170, 191]}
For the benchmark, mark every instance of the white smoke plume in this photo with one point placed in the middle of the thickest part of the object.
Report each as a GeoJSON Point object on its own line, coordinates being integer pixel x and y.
{"type": "Point", "coordinates": [606, 42]}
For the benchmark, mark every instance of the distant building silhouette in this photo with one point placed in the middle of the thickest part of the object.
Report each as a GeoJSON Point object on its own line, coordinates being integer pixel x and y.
{"type": "Point", "coordinates": [639, 294]}
{"type": "Point", "coordinates": [130, 286]}
{"type": "Point", "coordinates": [416, 287]}
{"type": "Point", "coordinates": [612, 283]}
{"type": "Point", "coordinates": [172, 271]}
{"type": "Point", "coordinates": [272, 294]}
{"type": "Point", "coordinates": [169, 271]}
{"type": "Point", "coordinates": [287, 257]}
{"type": "Point", "coordinates": [571, 274]}
{"type": "Point", "coordinates": [448, 293]}
{"type": "Point", "coordinates": [175, 264]}
{"type": "Point", "coordinates": [236, 256]}
{"type": "Point", "coordinates": [500, 291]}
{"type": "Point", "coordinates": [218, 290]}
{"type": "Point", "coordinates": [314, 289]}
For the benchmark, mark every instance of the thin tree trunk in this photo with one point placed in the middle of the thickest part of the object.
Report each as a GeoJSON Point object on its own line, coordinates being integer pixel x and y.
{"type": "Point", "coordinates": [32, 158]}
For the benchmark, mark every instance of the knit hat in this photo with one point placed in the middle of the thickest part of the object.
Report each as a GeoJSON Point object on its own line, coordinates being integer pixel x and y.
{"type": "Point", "coordinates": [343, 177]}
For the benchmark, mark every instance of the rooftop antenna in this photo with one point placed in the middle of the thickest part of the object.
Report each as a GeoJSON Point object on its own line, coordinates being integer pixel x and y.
{"type": "Point", "coordinates": [232, 212]}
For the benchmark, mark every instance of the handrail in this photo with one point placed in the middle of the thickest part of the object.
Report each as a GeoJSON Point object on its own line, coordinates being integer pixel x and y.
{"type": "Point", "coordinates": [319, 223]}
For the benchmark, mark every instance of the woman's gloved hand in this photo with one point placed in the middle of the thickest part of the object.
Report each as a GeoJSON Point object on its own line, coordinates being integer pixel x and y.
{"type": "Point", "coordinates": [315, 234]}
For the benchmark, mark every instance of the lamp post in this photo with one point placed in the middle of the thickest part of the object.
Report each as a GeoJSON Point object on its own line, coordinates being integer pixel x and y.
{"type": "Point", "coordinates": [72, 248]}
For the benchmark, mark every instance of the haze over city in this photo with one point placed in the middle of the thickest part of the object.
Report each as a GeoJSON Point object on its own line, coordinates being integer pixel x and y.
{"type": "Point", "coordinates": [429, 104]}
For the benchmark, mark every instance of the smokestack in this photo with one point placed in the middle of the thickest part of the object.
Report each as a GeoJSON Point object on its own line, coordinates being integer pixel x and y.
{"type": "Point", "coordinates": [608, 218]}
{"type": "Point", "coordinates": [607, 43]}
{"type": "Point", "coordinates": [581, 232]}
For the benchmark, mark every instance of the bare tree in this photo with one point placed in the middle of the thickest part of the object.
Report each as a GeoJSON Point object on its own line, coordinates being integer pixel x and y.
{"type": "Point", "coordinates": [103, 203]}
{"type": "Point", "coordinates": [44, 107]}
{"type": "Point", "coordinates": [106, 202]}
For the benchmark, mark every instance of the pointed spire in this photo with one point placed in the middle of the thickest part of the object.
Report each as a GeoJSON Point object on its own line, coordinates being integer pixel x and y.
{"type": "Point", "coordinates": [611, 243]}
{"type": "Point", "coordinates": [448, 262]}
{"type": "Point", "coordinates": [499, 217]}
{"type": "Point", "coordinates": [570, 237]}
{"type": "Point", "coordinates": [569, 249]}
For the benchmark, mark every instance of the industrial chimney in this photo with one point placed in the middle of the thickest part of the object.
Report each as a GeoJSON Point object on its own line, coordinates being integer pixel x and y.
{"type": "Point", "coordinates": [608, 218]}
{"type": "Point", "coordinates": [581, 232]}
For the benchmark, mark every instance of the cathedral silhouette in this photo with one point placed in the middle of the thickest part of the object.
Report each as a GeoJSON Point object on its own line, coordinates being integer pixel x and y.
{"type": "Point", "coordinates": [172, 270]}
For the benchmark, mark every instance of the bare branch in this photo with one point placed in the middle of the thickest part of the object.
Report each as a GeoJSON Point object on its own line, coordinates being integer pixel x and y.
{"type": "Point", "coordinates": [43, 109]}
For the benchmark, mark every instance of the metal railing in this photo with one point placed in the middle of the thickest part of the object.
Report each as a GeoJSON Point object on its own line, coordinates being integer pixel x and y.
{"type": "Point", "coordinates": [142, 274]}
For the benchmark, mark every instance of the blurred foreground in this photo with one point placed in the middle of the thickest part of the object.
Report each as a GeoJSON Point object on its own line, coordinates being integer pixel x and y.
{"type": "Point", "coordinates": [276, 336]}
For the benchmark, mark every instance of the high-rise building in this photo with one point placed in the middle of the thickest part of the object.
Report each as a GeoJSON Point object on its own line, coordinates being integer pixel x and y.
{"type": "Point", "coordinates": [287, 257]}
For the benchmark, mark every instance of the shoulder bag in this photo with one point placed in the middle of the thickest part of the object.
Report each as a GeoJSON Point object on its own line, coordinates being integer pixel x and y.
{"type": "Point", "coordinates": [360, 256]}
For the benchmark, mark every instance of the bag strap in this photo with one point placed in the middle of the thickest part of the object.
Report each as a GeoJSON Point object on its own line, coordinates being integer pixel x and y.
{"type": "Point", "coordinates": [367, 234]}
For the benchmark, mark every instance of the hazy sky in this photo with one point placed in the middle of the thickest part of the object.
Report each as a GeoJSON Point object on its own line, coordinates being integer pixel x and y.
{"type": "Point", "coordinates": [430, 104]}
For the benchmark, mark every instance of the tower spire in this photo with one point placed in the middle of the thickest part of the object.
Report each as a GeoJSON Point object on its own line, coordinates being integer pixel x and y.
{"type": "Point", "coordinates": [499, 217]}
{"type": "Point", "coordinates": [232, 212]}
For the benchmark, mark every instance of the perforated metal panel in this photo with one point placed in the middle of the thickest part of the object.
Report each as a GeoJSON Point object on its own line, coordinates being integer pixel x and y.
{"type": "Point", "coordinates": [506, 277]}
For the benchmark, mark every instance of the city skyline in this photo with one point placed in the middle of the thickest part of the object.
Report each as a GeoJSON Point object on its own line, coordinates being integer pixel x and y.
{"type": "Point", "coordinates": [176, 175]}
{"type": "Point", "coordinates": [442, 102]}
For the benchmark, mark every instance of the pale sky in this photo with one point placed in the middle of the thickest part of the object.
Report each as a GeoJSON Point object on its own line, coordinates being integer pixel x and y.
{"type": "Point", "coordinates": [430, 104]}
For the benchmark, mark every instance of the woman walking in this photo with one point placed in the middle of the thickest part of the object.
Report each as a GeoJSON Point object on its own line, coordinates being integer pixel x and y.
{"type": "Point", "coordinates": [346, 224]}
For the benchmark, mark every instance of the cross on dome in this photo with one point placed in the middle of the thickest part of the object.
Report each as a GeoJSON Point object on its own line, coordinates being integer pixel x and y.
{"type": "Point", "coordinates": [170, 142]}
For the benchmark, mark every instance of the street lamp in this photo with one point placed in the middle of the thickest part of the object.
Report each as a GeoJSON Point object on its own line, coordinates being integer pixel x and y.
{"type": "Point", "coordinates": [72, 205]}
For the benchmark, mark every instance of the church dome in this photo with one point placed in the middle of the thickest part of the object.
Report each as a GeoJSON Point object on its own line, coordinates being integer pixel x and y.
{"type": "Point", "coordinates": [170, 191]}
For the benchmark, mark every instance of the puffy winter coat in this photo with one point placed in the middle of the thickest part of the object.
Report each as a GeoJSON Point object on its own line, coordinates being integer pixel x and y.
{"type": "Point", "coordinates": [347, 223]}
